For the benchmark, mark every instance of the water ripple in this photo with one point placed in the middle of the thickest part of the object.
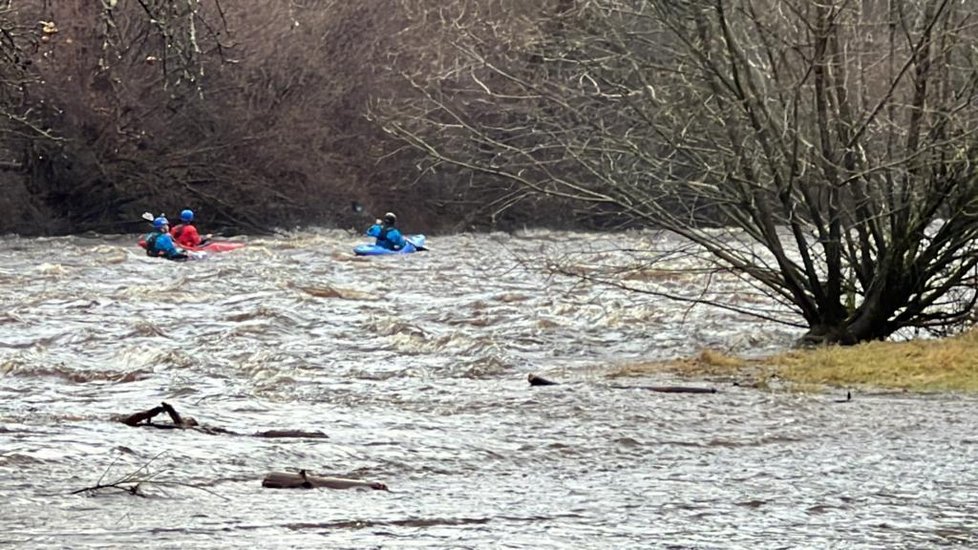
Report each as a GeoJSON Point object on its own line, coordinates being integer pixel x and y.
{"type": "Point", "coordinates": [415, 368]}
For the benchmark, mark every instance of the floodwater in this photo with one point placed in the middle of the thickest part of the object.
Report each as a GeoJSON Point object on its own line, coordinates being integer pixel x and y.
{"type": "Point", "coordinates": [415, 366]}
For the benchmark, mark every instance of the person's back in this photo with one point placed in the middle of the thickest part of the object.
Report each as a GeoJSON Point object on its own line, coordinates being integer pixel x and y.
{"type": "Point", "coordinates": [386, 234]}
{"type": "Point", "coordinates": [185, 233]}
{"type": "Point", "coordinates": [159, 243]}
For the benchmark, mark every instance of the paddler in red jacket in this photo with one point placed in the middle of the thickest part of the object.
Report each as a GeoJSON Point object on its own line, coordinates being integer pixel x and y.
{"type": "Point", "coordinates": [185, 234]}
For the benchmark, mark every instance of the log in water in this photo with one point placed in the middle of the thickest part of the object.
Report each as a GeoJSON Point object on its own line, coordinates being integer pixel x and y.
{"type": "Point", "coordinates": [303, 480]}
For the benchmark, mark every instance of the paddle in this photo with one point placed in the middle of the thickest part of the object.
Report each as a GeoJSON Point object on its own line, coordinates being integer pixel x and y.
{"type": "Point", "coordinates": [416, 246]}
{"type": "Point", "coordinates": [358, 209]}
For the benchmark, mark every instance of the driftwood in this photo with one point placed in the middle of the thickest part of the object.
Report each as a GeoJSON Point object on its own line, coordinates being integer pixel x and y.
{"type": "Point", "coordinates": [302, 480]}
{"type": "Point", "coordinates": [145, 418]}
{"type": "Point", "coordinates": [667, 389]}
{"type": "Point", "coordinates": [133, 482]}
{"type": "Point", "coordinates": [291, 433]}
{"type": "Point", "coordinates": [539, 381]}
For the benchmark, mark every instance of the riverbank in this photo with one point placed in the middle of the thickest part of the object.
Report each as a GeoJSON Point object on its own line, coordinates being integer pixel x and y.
{"type": "Point", "coordinates": [942, 365]}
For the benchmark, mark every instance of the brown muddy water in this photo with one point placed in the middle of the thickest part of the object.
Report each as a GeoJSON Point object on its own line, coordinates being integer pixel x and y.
{"type": "Point", "coordinates": [415, 366]}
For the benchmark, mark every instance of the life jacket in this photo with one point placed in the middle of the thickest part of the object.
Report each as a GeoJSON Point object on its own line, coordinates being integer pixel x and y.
{"type": "Point", "coordinates": [382, 239]}
{"type": "Point", "coordinates": [151, 245]}
{"type": "Point", "coordinates": [178, 230]}
{"type": "Point", "coordinates": [185, 235]}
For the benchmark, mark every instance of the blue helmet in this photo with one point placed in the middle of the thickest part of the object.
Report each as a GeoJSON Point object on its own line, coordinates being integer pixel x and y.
{"type": "Point", "coordinates": [160, 222]}
{"type": "Point", "coordinates": [187, 216]}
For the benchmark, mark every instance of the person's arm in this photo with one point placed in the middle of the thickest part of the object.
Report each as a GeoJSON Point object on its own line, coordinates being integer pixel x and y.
{"type": "Point", "coordinates": [395, 237]}
{"type": "Point", "coordinates": [190, 237]}
{"type": "Point", "coordinates": [373, 230]}
{"type": "Point", "coordinates": [204, 239]}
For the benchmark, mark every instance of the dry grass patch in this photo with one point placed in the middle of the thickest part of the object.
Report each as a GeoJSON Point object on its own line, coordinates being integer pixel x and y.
{"type": "Point", "coordinates": [706, 363]}
{"type": "Point", "coordinates": [949, 364]}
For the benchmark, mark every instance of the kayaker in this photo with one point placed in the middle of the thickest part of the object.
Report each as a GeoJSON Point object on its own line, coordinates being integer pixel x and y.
{"type": "Point", "coordinates": [386, 234]}
{"type": "Point", "coordinates": [159, 243]}
{"type": "Point", "coordinates": [185, 234]}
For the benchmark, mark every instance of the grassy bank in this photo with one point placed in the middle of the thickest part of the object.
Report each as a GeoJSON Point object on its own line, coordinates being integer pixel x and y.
{"type": "Point", "coordinates": [949, 364]}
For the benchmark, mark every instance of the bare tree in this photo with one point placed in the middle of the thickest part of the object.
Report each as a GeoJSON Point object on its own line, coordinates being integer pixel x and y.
{"type": "Point", "coordinates": [20, 122]}
{"type": "Point", "coordinates": [838, 135]}
{"type": "Point", "coordinates": [249, 112]}
{"type": "Point", "coordinates": [95, 78]}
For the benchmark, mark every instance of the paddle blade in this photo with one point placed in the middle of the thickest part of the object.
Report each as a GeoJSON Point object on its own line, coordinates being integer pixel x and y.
{"type": "Point", "coordinates": [147, 216]}
{"type": "Point", "coordinates": [417, 241]}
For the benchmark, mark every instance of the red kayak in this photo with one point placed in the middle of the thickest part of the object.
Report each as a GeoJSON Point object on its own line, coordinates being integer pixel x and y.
{"type": "Point", "coordinates": [210, 246]}
{"type": "Point", "coordinates": [216, 246]}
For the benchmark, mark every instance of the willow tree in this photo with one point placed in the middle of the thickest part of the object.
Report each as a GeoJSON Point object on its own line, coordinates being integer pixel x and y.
{"type": "Point", "coordinates": [837, 135]}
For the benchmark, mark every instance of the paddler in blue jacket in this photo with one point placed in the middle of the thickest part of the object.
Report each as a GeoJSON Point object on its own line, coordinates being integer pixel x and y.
{"type": "Point", "coordinates": [159, 243]}
{"type": "Point", "coordinates": [386, 234]}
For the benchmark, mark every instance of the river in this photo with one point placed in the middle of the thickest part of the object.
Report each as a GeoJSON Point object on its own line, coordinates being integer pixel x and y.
{"type": "Point", "coordinates": [415, 367]}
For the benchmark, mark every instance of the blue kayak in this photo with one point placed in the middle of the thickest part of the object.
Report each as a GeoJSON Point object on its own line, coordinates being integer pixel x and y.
{"type": "Point", "coordinates": [415, 243]}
